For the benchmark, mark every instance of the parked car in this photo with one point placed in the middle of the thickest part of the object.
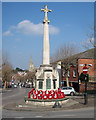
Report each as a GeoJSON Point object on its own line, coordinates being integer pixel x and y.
{"type": "Point", "coordinates": [68, 90]}
{"type": "Point", "coordinates": [15, 86]}
{"type": "Point", "coordinates": [27, 85]}
{"type": "Point", "coordinates": [24, 84]}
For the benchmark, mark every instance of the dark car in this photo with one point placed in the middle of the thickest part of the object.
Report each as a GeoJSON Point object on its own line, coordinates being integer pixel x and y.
{"type": "Point", "coordinates": [9, 86]}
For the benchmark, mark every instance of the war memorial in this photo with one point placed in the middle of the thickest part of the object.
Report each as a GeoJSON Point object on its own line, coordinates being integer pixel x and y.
{"type": "Point", "coordinates": [46, 76]}
{"type": "Point", "coordinates": [47, 90]}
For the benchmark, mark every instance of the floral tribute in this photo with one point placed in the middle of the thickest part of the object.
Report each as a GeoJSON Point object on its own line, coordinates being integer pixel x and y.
{"type": "Point", "coordinates": [48, 94]}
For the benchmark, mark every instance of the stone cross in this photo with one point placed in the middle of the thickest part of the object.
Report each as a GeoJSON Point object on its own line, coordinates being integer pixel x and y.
{"type": "Point", "coordinates": [46, 51]}
{"type": "Point", "coordinates": [46, 10]}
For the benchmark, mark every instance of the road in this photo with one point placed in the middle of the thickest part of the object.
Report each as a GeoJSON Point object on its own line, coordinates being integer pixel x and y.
{"type": "Point", "coordinates": [18, 94]}
{"type": "Point", "coordinates": [80, 113]}
{"type": "Point", "coordinates": [14, 95]}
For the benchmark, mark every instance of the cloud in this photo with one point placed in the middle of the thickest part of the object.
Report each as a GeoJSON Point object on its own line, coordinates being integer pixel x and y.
{"type": "Point", "coordinates": [7, 33]}
{"type": "Point", "coordinates": [53, 29]}
{"type": "Point", "coordinates": [29, 28]}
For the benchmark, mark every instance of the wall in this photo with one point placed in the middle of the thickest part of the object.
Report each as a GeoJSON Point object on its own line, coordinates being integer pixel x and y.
{"type": "Point", "coordinates": [91, 68]}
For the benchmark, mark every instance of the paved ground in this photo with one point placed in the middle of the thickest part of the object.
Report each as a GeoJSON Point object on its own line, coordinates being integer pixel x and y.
{"type": "Point", "coordinates": [76, 113]}
{"type": "Point", "coordinates": [15, 107]}
{"type": "Point", "coordinates": [75, 102]}
{"type": "Point", "coordinates": [0, 104]}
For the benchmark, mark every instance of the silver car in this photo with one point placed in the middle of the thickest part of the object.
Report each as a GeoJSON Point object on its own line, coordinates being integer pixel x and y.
{"type": "Point", "coordinates": [68, 90]}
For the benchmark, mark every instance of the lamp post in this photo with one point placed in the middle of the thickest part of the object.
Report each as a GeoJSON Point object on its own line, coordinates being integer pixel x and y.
{"type": "Point", "coordinates": [85, 70]}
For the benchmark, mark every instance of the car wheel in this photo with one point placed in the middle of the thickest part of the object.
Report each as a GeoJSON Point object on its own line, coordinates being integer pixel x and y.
{"type": "Point", "coordinates": [72, 93]}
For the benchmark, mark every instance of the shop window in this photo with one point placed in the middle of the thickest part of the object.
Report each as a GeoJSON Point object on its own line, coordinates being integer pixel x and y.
{"type": "Point", "coordinates": [74, 73]}
{"type": "Point", "coordinates": [68, 73]}
{"type": "Point", "coordinates": [62, 83]}
{"type": "Point", "coordinates": [90, 65]}
{"type": "Point", "coordinates": [63, 73]}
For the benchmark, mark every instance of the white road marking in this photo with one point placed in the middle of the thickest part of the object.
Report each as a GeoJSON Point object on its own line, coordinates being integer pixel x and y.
{"type": "Point", "coordinates": [63, 116]}
{"type": "Point", "coordinates": [38, 116]}
{"type": "Point", "coordinates": [67, 115]}
{"type": "Point", "coordinates": [19, 117]}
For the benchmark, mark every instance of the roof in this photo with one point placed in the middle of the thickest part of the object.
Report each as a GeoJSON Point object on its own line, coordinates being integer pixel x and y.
{"type": "Point", "coordinates": [88, 54]}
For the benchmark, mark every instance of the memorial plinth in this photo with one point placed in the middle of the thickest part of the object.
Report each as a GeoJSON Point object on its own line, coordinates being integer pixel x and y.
{"type": "Point", "coordinates": [48, 97]}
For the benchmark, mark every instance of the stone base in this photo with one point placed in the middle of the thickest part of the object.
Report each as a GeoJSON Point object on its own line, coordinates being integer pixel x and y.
{"type": "Point", "coordinates": [46, 102]}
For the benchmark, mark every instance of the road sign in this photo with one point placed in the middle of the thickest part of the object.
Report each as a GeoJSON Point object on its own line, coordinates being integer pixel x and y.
{"type": "Point", "coordinates": [85, 70]}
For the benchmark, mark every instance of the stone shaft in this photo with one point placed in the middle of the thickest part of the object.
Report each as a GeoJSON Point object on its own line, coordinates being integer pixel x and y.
{"type": "Point", "coordinates": [46, 57]}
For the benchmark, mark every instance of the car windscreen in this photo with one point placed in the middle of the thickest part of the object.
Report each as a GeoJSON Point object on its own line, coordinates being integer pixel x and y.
{"type": "Point", "coordinates": [70, 88]}
{"type": "Point", "coordinates": [64, 88]}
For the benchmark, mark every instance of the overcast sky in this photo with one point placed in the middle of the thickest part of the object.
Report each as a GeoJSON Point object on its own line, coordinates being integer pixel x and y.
{"type": "Point", "coordinates": [22, 28]}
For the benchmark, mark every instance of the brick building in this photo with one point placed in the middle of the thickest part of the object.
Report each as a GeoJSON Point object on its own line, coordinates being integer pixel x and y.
{"type": "Point", "coordinates": [91, 71]}
{"type": "Point", "coordinates": [72, 77]}
{"type": "Point", "coordinates": [76, 69]}
{"type": "Point", "coordinates": [90, 66]}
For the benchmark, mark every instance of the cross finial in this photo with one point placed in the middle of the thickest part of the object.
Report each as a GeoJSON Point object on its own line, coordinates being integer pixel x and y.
{"type": "Point", "coordinates": [46, 10]}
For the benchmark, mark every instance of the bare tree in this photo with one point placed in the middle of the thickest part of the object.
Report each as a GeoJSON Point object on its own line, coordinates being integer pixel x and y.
{"type": "Point", "coordinates": [64, 51]}
{"type": "Point", "coordinates": [7, 71]}
{"type": "Point", "coordinates": [91, 37]}
{"type": "Point", "coordinates": [30, 76]}
{"type": "Point", "coordinates": [65, 55]}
